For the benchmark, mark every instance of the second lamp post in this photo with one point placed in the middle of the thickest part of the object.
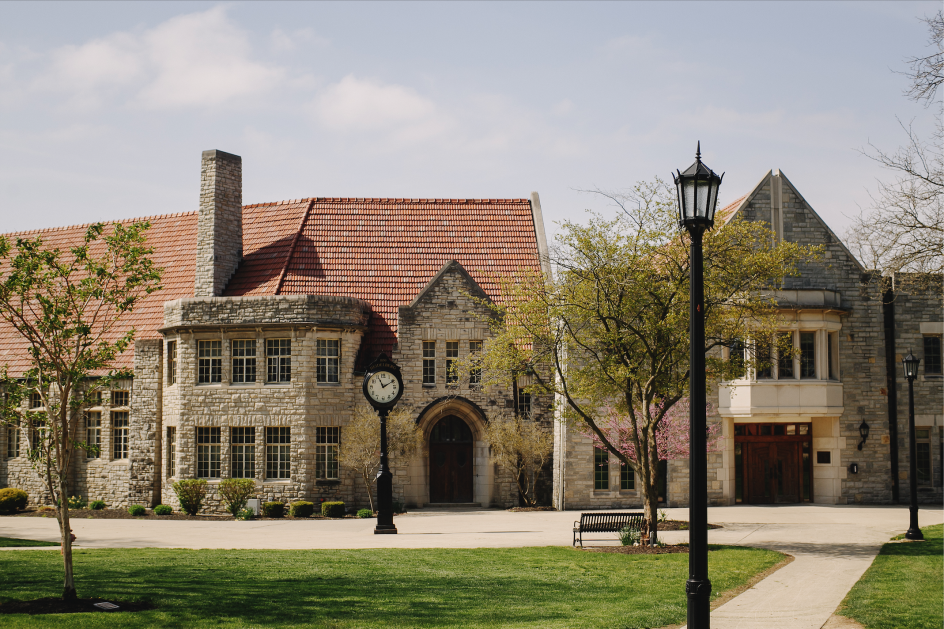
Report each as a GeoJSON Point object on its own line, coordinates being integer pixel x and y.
{"type": "Point", "coordinates": [697, 198]}
{"type": "Point", "coordinates": [910, 364]}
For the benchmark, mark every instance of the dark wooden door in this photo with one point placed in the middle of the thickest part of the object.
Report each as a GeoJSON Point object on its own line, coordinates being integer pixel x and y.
{"type": "Point", "coordinates": [450, 461]}
{"type": "Point", "coordinates": [773, 473]}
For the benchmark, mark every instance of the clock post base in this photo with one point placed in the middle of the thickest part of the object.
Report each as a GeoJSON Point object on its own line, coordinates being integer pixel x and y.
{"type": "Point", "coordinates": [385, 529]}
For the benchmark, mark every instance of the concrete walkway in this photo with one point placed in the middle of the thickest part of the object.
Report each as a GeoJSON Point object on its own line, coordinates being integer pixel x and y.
{"type": "Point", "coordinates": [833, 545]}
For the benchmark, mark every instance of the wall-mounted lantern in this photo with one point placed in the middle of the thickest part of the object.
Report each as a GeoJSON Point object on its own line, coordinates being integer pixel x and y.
{"type": "Point", "coordinates": [863, 432]}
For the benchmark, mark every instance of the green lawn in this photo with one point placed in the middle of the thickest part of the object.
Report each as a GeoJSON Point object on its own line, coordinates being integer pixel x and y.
{"type": "Point", "coordinates": [14, 541]}
{"type": "Point", "coordinates": [513, 587]}
{"type": "Point", "coordinates": [904, 586]}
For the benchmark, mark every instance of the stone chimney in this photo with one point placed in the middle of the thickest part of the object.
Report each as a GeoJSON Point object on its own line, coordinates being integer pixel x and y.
{"type": "Point", "coordinates": [220, 222]}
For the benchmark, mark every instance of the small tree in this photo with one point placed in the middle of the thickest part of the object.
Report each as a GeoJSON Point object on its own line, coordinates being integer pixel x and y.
{"type": "Point", "coordinates": [522, 447]}
{"type": "Point", "coordinates": [360, 447]}
{"type": "Point", "coordinates": [65, 307]}
{"type": "Point", "coordinates": [236, 492]}
{"type": "Point", "coordinates": [610, 329]}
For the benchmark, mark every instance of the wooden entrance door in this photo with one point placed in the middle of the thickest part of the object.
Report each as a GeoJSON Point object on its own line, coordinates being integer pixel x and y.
{"type": "Point", "coordinates": [450, 461]}
{"type": "Point", "coordinates": [773, 472]}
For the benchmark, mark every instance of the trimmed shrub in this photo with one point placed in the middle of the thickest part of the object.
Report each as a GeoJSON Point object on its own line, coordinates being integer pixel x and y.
{"type": "Point", "coordinates": [274, 509]}
{"type": "Point", "coordinates": [97, 505]}
{"type": "Point", "coordinates": [234, 492]}
{"type": "Point", "coordinates": [365, 513]}
{"type": "Point", "coordinates": [332, 509]}
{"type": "Point", "coordinates": [245, 514]}
{"type": "Point", "coordinates": [301, 509]}
{"type": "Point", "coordinates": [399, 507]}
{"type": "Point", "coordinates": [12, 500]}
{"type": "Point", "coordinates": [163, 510]}
{"type": "Point", "coordinates": [137, 510]}
{"type": "Point", "coordinates": [191, 493]}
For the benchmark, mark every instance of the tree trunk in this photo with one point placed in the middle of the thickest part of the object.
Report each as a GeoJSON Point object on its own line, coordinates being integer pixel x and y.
{"type": "Point", "coordinates": [651, 505]}
{"type": "Point", "coordinates": [370, 497]}
{"type": "Point", "coordinates": [68, 584]}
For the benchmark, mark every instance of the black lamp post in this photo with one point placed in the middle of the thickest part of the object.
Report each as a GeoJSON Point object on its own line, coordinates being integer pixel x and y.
{"type": "Point", "coordinates": [697, 198]}
{"type": "Point", "coordinates": [910, 363]}
{"type": "Point", "coordinates": [383, 386]}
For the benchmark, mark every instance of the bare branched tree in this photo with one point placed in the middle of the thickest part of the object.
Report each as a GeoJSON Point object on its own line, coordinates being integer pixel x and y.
{"type": "Point", "coordinates": [903, 229]}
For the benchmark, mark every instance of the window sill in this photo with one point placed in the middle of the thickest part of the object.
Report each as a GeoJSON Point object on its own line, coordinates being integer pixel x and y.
{"type": "Point", "coordinates": [328, 384]}
{"type": "Point", "coordinates": [328, 481]}
{"type": "Point", "coordinates": [209, 384]}
{"type": "Point", "coordinates": [277, 481]}
{"type": "Point", "coordinates": [429, 385]}
{"type": "Point", "coordinates": [277, 385]}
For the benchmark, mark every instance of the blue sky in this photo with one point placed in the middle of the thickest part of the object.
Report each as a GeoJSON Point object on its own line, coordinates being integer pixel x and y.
{"type": "Point", "coordinates": [105, 107]}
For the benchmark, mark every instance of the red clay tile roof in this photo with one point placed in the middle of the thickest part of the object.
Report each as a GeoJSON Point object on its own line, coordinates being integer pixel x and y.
{"type": "Point", "coordinates": [173, 237]}
{"type": "Point", "coordinates": [383, 251]}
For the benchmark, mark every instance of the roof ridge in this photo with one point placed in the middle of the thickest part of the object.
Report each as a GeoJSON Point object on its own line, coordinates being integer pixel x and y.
{"type": "Point", "coordinates": [44, 230]}
{"type": "Point", "coordinates": [451, 201]}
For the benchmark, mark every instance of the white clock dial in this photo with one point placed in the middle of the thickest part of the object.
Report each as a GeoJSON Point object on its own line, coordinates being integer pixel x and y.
{"type": "Point", "coordinates": [383, 387]}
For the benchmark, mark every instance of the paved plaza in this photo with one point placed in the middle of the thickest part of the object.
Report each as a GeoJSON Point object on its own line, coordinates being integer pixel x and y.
{"type": "Point", "coordinates": [832, 545]}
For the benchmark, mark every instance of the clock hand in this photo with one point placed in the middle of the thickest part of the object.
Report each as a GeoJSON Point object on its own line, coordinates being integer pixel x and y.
{"type": "Point", "coordinates": [383, 386]}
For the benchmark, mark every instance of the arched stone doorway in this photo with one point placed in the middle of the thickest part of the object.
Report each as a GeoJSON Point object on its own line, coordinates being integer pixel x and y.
{"type": "Point", "coordinates": [451, 461]}
{"type": "Point", "coordinates": [421, 488]}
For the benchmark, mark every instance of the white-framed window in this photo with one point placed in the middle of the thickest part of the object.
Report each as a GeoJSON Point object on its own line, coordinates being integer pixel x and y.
{"type": "Point", "coordinates": [601, 468]}
{"type": "Point", "coordinates": [475, 373]}
{"type": "Point", "coordinates": [327, 441]}
{"type": "Point", "coordinates": [171, 362]}
{"type": "Point", "coordinates": [627, 478]}
{"type": "Point", "coordinates": [119, 434]}
{"type": "Point", "coordinates": [13, 442]}
{"type": "Point", "coordinates": [36, 400]}
{"type": "Point", "coordinates": [209, 362]}
{"type": "Point", "coordinates": [785, 363]}
{"type": "Point", "coordinates": [278, 360]}
{"type": "Point", "coordinates": [171, 468]}
{"type": "Point", "coordinates": [429, 362]}
{"type": "Point", "coordinates": [121, 398]}
{"type": "Point", "coordinates": [932, 356]}
{"type": "Point", "coordinates": [242, 452]}
{"type": "Point", "coordinates": [278, 452]}
{"type": "Point", "coordinates": [523, 401]}
{"type": "Point", "coordinates": [244, 360]}
{"type": "Point", "coordinates": [808, 355]}
{"type": "Point", "coordinates": [93, 434]}
{"type": "Point", "coordinates": [328, 358]}
{"type": "Point", "coordinates": [208, 452]}
{"type": "Point", "coordinates": [452, 360]}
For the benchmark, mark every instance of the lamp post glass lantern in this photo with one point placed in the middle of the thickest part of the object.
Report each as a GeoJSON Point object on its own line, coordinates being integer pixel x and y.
{"type": "Point", "coordinates": [910, 365]}
{"type": "Point", "coordinates": [697, 190]}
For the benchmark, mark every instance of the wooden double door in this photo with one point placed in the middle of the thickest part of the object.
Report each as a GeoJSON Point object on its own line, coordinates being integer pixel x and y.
{"type": "Point", "coordinates": [773, 472]}
{"type": "Point", "coordinates": [450, 461]}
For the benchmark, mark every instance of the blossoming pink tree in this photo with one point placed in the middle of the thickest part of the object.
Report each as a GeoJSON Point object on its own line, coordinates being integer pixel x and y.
{"type": "Point", "coordinates": [670, 442]}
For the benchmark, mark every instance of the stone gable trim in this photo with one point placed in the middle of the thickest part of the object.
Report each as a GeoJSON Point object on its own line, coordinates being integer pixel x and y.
{"type": "Point", "coordinates": [445, 400]}
{"type": "Point", "coordinates": [452, 265]}
{"type": "Point", "coordinates": [538, 217]}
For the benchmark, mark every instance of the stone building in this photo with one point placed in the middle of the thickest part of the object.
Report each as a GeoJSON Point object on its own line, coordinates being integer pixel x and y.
{"type": "Point", "coordinates": [249, 362]}
{"type": "Point", "coordinates": [793, 434]}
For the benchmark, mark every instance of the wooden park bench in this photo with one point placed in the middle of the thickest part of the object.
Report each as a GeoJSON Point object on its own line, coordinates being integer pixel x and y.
{"type": "Point", "coordinates": [606, 522]}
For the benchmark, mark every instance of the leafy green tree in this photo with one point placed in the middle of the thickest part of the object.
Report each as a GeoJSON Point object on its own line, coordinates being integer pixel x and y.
{"type": "Point", "coordinates": [66, 309]}
{"type": "Point", "coordinates": [609, 332]}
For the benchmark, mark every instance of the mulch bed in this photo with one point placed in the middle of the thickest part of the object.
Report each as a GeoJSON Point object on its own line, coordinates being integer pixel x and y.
{"type": "Point", "coordinates": [122, 514]}
{"type": "Point", "coordinates": [638, 550]}
{"type": "Point", "coordinates": [680, 525]}
{"type": "Point", "coordinates": [527, 509]}
{"type": "Point", "coordinates": [78, 606]}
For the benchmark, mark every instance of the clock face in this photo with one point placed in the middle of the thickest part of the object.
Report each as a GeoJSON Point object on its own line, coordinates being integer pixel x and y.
{"type": "Point", "coordinates": [383, 387]}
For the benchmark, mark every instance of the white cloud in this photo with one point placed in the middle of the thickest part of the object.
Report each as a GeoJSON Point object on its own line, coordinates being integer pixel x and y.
{"type": "Point", "coordinates": [194, 60]}
{"type": "Point", "coordinates": [283, 41]}
{"type": "Point", "coordinates": [356, 105]}
{"type": "Point", "coordinates": [203, 59]}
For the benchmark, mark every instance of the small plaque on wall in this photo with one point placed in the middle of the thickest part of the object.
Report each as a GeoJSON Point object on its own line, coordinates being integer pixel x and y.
{"type": "Point", "coordinates": [885, 440]}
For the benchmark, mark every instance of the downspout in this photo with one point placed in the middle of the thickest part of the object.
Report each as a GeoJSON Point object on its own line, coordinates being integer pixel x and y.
{"type": "Point", "coordinates": [891, 371]}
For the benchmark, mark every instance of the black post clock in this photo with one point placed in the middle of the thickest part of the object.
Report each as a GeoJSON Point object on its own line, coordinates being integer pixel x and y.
{"type": "Point", "coordinates": [383, 386]}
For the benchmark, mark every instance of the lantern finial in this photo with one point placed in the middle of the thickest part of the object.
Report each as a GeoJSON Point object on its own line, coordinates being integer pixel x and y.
{"type": "Point", "coordinates": [698, 151]}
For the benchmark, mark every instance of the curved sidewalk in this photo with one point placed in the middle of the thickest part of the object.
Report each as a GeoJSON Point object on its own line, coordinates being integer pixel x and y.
{"type": "Point", "coordinates": [833, 545]}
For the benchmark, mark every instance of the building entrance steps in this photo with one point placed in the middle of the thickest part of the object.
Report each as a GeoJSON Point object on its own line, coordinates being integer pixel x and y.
{"type": "Point", "coordinates": [832, 544]}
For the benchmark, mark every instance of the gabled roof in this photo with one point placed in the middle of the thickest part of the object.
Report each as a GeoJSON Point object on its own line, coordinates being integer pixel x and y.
{"type": "Point", "coordinates": [173, 238]}
{"type": "Point", "coordinates": [731, 210]}
{"type": "Point", "coordinates": [384, 251]}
